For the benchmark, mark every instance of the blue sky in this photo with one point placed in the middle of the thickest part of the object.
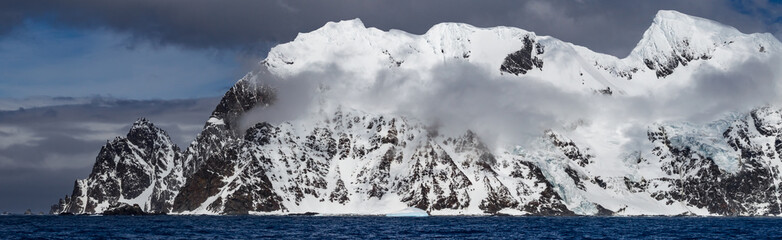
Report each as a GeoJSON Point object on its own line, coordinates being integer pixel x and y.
{"type": "Point", "coordinates": [39, 59]}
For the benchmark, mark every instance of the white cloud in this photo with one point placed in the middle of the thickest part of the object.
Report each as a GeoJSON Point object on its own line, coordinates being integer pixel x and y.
{"type": "Point", "coordinates": [13, 135]}
{"type": "Point", "coordinates": [511, 110]}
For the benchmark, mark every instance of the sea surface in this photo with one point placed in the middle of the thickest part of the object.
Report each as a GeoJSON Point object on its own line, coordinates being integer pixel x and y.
{"type": "Point", "coordinates": [332, 227]}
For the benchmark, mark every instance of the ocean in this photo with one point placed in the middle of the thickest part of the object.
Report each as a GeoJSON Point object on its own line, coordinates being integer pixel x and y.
{"type": "Point", "coordinates": [375, 227]}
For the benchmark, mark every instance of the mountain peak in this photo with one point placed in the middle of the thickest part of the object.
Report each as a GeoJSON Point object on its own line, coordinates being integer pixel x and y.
{"type": "Point", "coordinates": [680, 22]}
{"type": "Point", "coordinates": [144, 133]}
{"type": "Point", "coordinates": [355, 23]}
{"type": "Point", "coordinates": [672, 31]}
{"type": "Point", "coordinates": [449, 27]}
{"type": "Point", "coordinates": [142, 123]}
{"type": "Point", "coordinates": [343, 29]}
{"type": "Point", "coordinates": [672, 15]}
{"type": "Point", "coordinates": [676, 38]}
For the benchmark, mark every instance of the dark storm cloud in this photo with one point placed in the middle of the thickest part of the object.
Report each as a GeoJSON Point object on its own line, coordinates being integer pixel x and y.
{"type": "Point", "coordinates": [43, 150]}
{"type": "Point", "coordinates": [613, 27]}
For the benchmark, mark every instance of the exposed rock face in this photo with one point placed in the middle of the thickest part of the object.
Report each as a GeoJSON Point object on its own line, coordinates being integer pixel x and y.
{"type": "Point", "coordinates": [696, 179]}
{"type": "Point", "coordinates": [674, 40]}
{"type": "Point", "coordinates": [352, 158]}
{"type": "Point", "coordinates": [375, 159]}
{"type": "Point", "coordinates": [523, 60]}
{"type": "Point", "coordinates": [146, 167]}
{"type": "Point", "coordinates": [349, 160]}
{"type": "Point", "coordinates": [569, 148]}
{"type": "Point", "coordinates": [125, 209]}
{"type": "Point", "coordinates": [663, 68]}
{"type": "Point", "coordinates": [143, 167]}
{"type": "Point", "coordinates": [222, 128]}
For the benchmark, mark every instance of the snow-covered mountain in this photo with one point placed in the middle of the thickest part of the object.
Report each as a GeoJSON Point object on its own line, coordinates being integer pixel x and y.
{"type": "Point", "coordinates": [366, 156]}
{"type": "Point", "coordinates": [142, 168]}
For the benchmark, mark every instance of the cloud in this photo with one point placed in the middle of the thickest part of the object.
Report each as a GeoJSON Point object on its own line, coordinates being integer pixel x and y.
{"type": "Point", "coordinates": [8, 104]}
{"type": "Point", "coordinates": [56, 144]}
{"type": "Point", "coordinates": [454, 97]}
{"type": "Point", "coordinates": [510, 110]}
{"type": "Point", "coordinates": [16, 136]}
{"type": "Point", "coordinates": [714, 92]}
{"type": "Point", "coordinates": [253, 26]}
{"type": "Point", "coordinates": [73, 131]}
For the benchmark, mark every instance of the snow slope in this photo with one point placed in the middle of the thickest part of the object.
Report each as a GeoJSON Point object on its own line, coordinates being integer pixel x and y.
{"type": "Point", "coordinates": [673, 40]}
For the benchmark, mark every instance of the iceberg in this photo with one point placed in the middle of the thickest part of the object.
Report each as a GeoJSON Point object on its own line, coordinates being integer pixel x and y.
{"type": "Point", "coordinates": [409, 212]}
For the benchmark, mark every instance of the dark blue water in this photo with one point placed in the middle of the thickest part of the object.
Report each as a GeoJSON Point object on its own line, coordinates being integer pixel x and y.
{"type": "Point", "coordinates": [304, 227]}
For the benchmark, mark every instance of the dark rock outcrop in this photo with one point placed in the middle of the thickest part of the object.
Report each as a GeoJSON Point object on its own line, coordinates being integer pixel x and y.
{"type": "Point", "coordinates": [680, 56]}
{"type": "Point", "coordinates": [521, 61]}
{"type": "Point", "coordinates": [127, 167]}
{"type": "Point", "coordinates": [124, 210]}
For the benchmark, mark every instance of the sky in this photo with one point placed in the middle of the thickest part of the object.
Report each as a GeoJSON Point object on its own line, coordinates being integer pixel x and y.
{"type": "Point", "coordinates": [74, 74]}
